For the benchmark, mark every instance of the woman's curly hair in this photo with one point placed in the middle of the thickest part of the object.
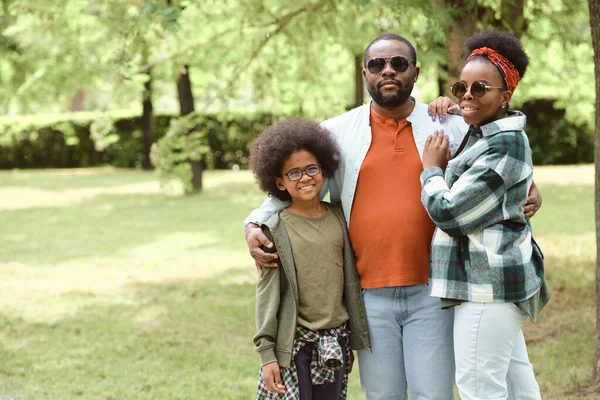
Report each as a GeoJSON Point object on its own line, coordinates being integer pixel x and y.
{"type": "Point", "coordinates": [275, 144]}
{"type": "Point", "coordinates": [504, 43]}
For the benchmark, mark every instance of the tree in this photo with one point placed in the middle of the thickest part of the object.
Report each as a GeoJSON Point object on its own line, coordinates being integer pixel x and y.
{"type": "Point", "coordinates": [467, 18]}
{"type": "Point", "coordinates": [594, 7]}
{"type": "Point", "coordinates": [186, 106]}
{"type": "Point", "coordinates": [147, 120]}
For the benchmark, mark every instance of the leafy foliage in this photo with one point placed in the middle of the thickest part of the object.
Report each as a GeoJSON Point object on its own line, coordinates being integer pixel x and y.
{"type": "Point", "coordinates": [287, 56]}
{"type": "Point", "coordinates": [217, 140]}
{"type": "Point", "coordinates": [184, 142]}
{"type": "Point", "coordinates": [553, 138]}
{"type": "Point", "coordinates": [73, 140]}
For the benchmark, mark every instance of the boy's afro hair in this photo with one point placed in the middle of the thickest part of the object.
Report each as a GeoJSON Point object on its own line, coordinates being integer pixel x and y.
{"type": "Point", "coordinates": [275, 144]}
{"type": "Point", "coordinates": [504, 43]}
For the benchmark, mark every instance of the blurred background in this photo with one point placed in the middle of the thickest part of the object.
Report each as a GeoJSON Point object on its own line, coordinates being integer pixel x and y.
{"type": "Point", "coordinates": [125, 128]}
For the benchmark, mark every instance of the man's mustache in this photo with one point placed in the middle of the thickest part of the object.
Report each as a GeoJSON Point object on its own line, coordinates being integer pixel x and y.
{"type": "Point", "coordinates": [388, 81]}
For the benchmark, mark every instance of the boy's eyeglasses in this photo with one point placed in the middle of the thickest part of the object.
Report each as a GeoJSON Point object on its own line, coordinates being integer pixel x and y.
{"type": "Point", "coordinates": [295, 174]}
{"type": "Point", "coordinates": [478, 89]}
{"type": "Point", "coordinates": [377, 64]}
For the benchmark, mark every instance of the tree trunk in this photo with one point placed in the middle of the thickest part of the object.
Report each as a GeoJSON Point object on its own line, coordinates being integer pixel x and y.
{"type": "Point", "coordinates": [78, 101]}
{"type": "Point", "coordinates": [441, 81]}
{"type": "Point", "coordinates": [186, 106]}
{"type": "Point", "coordinates": [594, 6]}
{"type": "Point", "coordinates": [147, 122]}
{"type": "Point", "coordinates": [184, 91]}
{"type": "Point", "coordinates": [359, 92]}
{"type": "Point", "coordinates": [512, 18]}
{"type": "Point", "coordinates": [464, 25]}
{"type": "Point", "coordinates": [465, 19]}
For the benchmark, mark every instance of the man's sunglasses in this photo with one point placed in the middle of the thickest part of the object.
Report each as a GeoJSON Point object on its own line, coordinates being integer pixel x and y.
{"type": "Point", "coordinates": [478, 89]}
{"type": "Point", "coordinates": [377, 64]}
{"type": "Point", "coordinates": [295, 174]}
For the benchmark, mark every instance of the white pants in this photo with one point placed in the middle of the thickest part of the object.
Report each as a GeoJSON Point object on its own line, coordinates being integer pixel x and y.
{"type": "Point", "coordinates": [490, 353]}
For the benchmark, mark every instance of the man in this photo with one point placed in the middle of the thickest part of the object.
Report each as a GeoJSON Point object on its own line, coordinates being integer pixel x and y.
{"type": "Point", "coordinates": [378, 184]}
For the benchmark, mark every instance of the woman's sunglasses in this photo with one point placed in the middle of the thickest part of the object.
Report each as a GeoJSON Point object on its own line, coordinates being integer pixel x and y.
{"type": "Point", "coordinates": [478, 89]}
{"type": "Point", "coordinates": [295, 174]}
{"type": "Point", "coordinates": [377, 64]}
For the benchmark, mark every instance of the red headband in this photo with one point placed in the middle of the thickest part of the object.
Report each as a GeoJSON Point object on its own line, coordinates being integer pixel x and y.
{"type": "Point", "coordinates": [511, 75]}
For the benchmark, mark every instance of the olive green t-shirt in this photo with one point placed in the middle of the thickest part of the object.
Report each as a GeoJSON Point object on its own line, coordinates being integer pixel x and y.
{"type": "Point", "coordinates": [317, 248]}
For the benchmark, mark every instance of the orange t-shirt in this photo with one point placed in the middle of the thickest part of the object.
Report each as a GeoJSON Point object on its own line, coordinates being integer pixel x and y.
{"type": "Point", "coordinates": [389, 227]}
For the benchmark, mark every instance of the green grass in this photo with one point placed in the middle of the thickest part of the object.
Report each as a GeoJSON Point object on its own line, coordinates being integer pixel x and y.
{"type": "Point", "coordinates": [113, 290]}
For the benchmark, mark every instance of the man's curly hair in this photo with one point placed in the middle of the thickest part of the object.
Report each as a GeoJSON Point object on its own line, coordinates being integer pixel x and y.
{"type": "Point", "coordinates": [504, 43]}
{"type": "Point", "coordinates": [275, 144]}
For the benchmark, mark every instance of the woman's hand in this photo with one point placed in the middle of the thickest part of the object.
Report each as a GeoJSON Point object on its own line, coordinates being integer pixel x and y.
{"type": "Point", "coordinates": [441, 107]}
{"type": "Point", "coordinates": [436, 152]}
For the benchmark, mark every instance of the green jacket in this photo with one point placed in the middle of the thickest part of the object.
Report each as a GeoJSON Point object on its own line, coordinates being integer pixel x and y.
{"type": "Point", "coordinates": [277, 298]}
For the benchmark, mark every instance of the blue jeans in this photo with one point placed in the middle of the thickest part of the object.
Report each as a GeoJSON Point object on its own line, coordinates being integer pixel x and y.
{"type": "Point", "coordinates": [411, 339]}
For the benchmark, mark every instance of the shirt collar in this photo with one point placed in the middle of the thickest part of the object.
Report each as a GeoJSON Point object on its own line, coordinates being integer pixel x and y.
{"type": "Point", "coordinates": [515, 121]}
{"type": "Point", "coordinates": [380, 118]}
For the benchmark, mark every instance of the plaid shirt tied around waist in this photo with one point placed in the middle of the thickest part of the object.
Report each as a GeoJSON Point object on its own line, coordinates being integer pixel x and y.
{"type": "Point", "coordinates": [327, 356]}
{"type": "Point", "coordinates": [482, 249]}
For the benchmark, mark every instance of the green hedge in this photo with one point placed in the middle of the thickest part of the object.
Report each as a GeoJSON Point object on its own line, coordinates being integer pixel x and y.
{"type": "Point", "coordinates": [92, 139]}
{"type": "Point", "coordinates": [553, 139]}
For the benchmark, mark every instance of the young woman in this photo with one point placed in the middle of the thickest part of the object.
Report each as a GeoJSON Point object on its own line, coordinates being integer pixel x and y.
{"type": "Point", "coordinates": [484, 261]}
{"type": "Point", "coordinates": [309, 310]}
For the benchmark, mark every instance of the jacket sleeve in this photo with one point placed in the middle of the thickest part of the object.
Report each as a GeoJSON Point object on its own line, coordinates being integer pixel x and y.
{"type": "Point", "coordinates": [269, 207]}
{"type": "Point", "coordinates": [268, 292]}
{"type": "Point", "coordinates": [475, 200]}
{"type": "Point", "coordinates": [267, 305]}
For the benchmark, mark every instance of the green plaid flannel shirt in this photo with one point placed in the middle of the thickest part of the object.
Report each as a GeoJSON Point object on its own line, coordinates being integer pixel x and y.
{"type": "Point", "coordinates": [482, 249]}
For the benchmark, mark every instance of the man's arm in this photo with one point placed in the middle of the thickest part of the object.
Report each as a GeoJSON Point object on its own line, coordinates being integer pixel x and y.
{"type": "Point", "coordinates": [256, 240]}
{"type": "Point", "coordinates": [255, 237]}
{"type": "Point", "coordinates": [533, 202]}
{"type": "Point", "coordinates": [269, 207]}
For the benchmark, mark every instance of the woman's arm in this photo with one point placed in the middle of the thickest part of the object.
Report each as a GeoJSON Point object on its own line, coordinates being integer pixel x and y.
{"type": "Point", "coordinates": [476, 199]}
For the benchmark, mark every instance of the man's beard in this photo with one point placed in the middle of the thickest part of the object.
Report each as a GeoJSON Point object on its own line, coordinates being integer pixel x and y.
{"type": "Point", "coordinates": [391, 100]}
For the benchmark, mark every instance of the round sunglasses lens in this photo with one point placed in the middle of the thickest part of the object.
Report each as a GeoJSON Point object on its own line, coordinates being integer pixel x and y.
{"type": "Point", "coordinates": [478, 89]}
{"type": "Point", "coordinates": [376, 65]}
{"type": "Point", "coordinates": [399, 63]}
{"type": "Point", "coordinates": [459, 89]}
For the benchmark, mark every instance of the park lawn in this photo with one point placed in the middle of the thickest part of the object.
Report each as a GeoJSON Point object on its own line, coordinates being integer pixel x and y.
{"type": "Point", "coordinates": [113, 290]}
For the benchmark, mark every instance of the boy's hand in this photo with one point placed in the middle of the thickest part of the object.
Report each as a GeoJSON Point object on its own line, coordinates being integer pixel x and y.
{"type": "Point", "coordinates": [255, 239]}
{"type": "Point", "coordinates": [436, 152]}
{"type": "Point", "coordinates": [272, 376]}
{"type": "Point", "coordinates": [351, 361]}
{"type": "Point", "coordinates": [441, 107]}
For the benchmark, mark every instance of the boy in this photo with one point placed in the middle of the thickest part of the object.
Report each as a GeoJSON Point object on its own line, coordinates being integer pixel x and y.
{"type": "Point", "coordinates": [309, 310]}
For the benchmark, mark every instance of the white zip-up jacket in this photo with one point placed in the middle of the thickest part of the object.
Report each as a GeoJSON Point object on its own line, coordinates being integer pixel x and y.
{"type": "Point", "coordinates": [352, 132]}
